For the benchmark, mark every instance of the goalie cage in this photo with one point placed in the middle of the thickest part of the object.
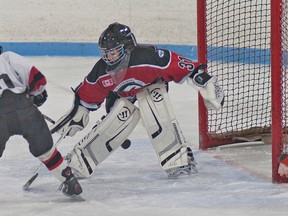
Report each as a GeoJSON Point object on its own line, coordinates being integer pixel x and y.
{"type": "Point", "coordinates": [245, 45]}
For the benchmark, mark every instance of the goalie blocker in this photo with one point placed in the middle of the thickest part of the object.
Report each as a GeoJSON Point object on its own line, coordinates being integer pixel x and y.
{"type": "Point", "coordinates": [160, 122]}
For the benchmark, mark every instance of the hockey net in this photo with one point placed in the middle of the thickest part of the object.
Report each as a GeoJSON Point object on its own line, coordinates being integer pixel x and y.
{"type": "Point", "coordinates": [234, 39]}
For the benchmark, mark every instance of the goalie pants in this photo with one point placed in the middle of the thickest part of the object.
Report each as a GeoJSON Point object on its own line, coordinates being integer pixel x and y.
{"type": "Point", "coordinates": [18, 116]}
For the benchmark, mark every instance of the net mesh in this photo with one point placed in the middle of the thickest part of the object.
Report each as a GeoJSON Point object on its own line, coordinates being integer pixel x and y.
{"type": "Point", "coordinates": [238, 53]}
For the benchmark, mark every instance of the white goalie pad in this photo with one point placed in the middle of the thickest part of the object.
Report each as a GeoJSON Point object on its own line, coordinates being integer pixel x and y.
{"type": "Point", "coordinates": [104, 138]}
{"type": "Point", "coordinates": [162, 126]}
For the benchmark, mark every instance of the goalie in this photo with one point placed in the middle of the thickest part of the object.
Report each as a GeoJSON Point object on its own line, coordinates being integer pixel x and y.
{"type": "Point", "coordinates": [130, 72]}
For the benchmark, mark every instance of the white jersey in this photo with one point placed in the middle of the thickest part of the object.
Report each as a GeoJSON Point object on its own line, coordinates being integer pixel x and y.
{"type": "Point", "coordinates": [16, 74]}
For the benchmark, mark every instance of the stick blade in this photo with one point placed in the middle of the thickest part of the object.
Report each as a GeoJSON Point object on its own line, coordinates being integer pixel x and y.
{"type": "Point", "coordinates": [30, 181]}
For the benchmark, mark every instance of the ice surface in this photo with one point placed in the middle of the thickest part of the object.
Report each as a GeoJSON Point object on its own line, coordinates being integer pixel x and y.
{"type": "Point", "coordinates": [231, 181]}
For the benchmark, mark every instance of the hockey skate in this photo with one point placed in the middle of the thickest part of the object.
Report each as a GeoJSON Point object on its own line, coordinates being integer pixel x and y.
{"type": "Point", "coordinates": [70, 187]}
{"type": "Point", "coordinates": [184, 170]}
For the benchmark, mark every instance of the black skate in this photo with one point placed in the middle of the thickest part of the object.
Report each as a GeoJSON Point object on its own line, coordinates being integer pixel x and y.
{"type": "Point", "coordinates": [70, 187]}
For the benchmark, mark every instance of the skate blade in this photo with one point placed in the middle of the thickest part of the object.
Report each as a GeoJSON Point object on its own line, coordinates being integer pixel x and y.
{"type": "Point", "coordinates": [77, 198]}
{"type": "Point", "coordinates": [183, 173]}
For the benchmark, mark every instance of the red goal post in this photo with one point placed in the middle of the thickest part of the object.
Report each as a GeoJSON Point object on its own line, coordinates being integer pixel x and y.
{"type": "Point", "coordinates": [244, 44]}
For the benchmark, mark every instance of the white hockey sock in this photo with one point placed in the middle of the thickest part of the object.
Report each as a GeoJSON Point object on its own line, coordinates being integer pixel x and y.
{"type": "Point", "coordinates": [55, 163]}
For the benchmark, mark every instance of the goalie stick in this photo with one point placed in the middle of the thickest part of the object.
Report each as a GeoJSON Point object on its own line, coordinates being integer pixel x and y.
{"type": "Point", "coordinates": [48, 119]}
{"type": "Point", "coordinates": [36, 172]}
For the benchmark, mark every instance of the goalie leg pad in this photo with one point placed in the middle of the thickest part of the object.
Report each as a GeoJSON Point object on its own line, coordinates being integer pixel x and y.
{"type": "Point", "coordinates": [104, 138]}
{"type": "Point", "coordinates": [162, 126]}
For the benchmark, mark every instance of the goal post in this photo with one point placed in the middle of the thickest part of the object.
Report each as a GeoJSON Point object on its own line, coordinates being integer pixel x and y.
{"type": "Point", "coordinates": [244, 43]}
{"type": "Point", "coordinates": [279, 82]}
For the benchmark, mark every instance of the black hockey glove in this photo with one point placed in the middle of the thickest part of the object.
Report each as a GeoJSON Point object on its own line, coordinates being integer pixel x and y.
{"type": "Point", "coordinates": [40, 99]}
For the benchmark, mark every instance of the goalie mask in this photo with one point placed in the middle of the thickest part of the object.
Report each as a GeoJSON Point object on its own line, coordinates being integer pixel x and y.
{"type": "Point", "coordinates": [116, 44]}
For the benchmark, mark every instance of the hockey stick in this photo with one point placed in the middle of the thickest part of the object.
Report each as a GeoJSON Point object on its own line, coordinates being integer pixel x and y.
{"type": "Point", "coordinates": [36, 172]}
{"type": "Point", "coordinates": [48, 119]}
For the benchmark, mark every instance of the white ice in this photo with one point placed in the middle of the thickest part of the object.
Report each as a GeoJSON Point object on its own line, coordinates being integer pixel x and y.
{"type": "Point", "coordinates": [232, 182]}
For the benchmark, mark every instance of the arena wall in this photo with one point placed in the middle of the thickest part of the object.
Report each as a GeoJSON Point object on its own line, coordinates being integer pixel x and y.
{"type": "Point", "coordinates": [72, 27]}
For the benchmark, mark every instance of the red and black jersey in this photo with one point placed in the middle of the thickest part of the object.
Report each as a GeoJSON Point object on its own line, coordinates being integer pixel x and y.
{"type": "Point", "coordinates": [146, 65]}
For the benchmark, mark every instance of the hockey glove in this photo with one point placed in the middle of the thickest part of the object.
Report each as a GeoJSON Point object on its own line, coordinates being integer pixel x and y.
{"type": "Point", "coordinates": [209, 89]}
{"type": "Point", "coordinates": [78, 122]}
{"type": "Point", "coordinates": [40, 99]}
{"type": "Point", "coordinates": [283, 165]}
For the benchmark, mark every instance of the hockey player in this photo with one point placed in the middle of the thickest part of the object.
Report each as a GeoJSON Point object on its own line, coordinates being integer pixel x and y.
{"type": "Point", "coordinates": [128, 72]}
{"type": "Point", "coordinates": [283, 165]}
{"type": "Point", "coordinates": [22, 88]}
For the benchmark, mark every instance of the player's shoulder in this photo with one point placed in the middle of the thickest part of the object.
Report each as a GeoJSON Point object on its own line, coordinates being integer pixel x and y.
{"type": "Point", "coordinates": [9, 54]}
{"type": "Point", "coordinates": [13, 57]}
{"type": "Point", "coordinates": [149, 54]}
{"type": "Point", "coordinates": [97, 71]}
{"type": "Point", "coordinates": [146, 48]}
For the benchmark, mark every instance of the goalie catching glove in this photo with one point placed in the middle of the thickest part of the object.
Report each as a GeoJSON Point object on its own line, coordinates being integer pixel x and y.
{"type": "Point", "coordinates": [208, 88]}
